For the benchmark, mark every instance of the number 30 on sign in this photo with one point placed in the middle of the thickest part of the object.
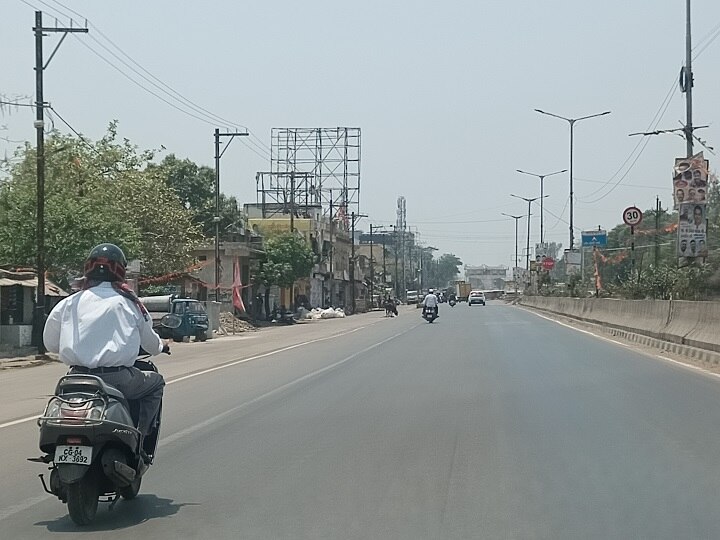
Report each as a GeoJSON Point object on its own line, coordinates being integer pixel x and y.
{"type": "Point", "coordinates": [632, 216]}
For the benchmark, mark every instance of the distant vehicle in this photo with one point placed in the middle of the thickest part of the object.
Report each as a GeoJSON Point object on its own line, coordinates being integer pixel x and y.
{"type": "Point", "coordinates": [429, 314]}
{"type": "Point", "coordinates": [476, 297]}
{"type": "Point", "coordinates": [192, 313]}
{"type": "Point", "coordinates": [411, 297]}
{"type": "Point", "coordinates": [462, 291]}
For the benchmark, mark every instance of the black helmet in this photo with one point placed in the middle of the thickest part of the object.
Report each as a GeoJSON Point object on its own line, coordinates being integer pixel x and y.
{"type": "Point", "coordinates": [106, 262]}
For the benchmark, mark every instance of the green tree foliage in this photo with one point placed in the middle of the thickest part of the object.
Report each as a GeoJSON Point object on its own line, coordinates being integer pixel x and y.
{"type": "Point", "coordinates": [287, 258]}
{"type": "Point", "coordinates": [195, 187]}
{"type": "Point", "coordinates": [95, 192]}
{"type": "Point", "coordinates": [443, 270]}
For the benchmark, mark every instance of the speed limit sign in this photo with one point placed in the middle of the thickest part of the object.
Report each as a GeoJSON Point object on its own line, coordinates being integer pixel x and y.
{"type": "Point", "coordinates": [632, 216]}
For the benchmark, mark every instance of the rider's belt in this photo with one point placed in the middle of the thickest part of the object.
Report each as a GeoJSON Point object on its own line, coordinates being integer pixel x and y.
{"type": "Point", "coordinates": [83, 369]}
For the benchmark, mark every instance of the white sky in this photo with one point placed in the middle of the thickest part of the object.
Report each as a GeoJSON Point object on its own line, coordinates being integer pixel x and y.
{"type": "Point", "coordinates": [444, 93]}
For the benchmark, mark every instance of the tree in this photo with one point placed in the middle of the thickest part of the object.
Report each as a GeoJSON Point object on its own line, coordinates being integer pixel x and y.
{"type": "Point", "coordinates": [194, 185]}
{"type": "Point", "coordinates": [95, 192]}
{"type": "Point", "coordinates": [287, 258]}
{"type": "Point", "coordinates": [444, 270]}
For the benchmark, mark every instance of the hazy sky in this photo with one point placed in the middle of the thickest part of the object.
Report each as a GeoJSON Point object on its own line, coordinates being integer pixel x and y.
{"type": "Point", "coordinates": [443, 91]}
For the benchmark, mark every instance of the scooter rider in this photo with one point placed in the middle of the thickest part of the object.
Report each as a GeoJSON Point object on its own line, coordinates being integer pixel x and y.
{"type": "Point", "coordinates": [100, 330]}
{"type": "Point", "coordinates": [431, 301]}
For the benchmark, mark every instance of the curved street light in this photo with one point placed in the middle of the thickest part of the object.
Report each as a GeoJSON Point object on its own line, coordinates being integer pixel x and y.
{"type": "Point", "coordinates": [529, 200]}
{"type": "Point", "coordinates": [542, 179]}
{"type": "Point", "coordinates": [572, 121]}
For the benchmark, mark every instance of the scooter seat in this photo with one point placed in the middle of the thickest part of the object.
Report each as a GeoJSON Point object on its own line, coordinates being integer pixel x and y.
{"type": "Point", "coordinates": [89, 384]}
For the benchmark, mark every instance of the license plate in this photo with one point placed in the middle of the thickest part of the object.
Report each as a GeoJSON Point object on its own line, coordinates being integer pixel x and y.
{"type": "Point", "coordinates": [75, 455]}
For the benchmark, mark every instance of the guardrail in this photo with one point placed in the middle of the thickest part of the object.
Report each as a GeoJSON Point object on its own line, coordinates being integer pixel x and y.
{"type": "Point", "coordinates": [696, 324]}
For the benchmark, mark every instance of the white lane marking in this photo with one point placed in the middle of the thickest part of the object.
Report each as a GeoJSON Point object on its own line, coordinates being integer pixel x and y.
{"type": "Point", "coordinates": [28, 503]}
{"type": "Point", "coordinates": [187, 431]}
{"type": "Point", "coordinates": [634, 349]}
{"type": "Point", "coordinates": [257, 357]}
{"type": "Point", "coordinates": [19, 421]}
{"type": "Point", "coordinates": [24, 505]}
{"type": "Point", "coordinates": [210, 370]}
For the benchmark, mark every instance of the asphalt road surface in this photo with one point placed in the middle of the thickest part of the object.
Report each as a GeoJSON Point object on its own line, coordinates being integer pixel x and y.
{"type": "Point", "coordinates": [492, 422]}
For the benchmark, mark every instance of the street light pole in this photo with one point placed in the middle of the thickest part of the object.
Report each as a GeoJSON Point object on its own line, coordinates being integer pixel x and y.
{"type": "Point", "coordinates": [542, 179]}
{"type": "Point", "coordinates": [572, 121]}
{"type": "Point", "coordinates": [528, 200]}
{"type": "Point", "coordinates": [516, 218]}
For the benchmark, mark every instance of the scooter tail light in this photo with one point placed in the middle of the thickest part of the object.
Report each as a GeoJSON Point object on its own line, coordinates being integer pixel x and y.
{"type": "Point", "coordinates": [74, 440]}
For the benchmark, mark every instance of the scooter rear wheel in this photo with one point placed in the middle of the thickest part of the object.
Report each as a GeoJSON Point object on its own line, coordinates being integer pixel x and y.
{"type": "Point", "coordinates": [82, 499]}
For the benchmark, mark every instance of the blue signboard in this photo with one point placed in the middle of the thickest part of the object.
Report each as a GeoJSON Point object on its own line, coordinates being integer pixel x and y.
{"type": "Point", "coordinates": [594, 238]}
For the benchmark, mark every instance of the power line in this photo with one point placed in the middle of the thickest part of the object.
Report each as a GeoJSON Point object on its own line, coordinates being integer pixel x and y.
{"type": "Point", "coordinates": [642, 144]}
{"type": "Point", "coordinates": [195, 111]}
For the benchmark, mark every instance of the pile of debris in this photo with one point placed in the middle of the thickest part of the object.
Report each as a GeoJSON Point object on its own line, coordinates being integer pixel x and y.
{"type": "Point", "coordinates": [317, 313]}
{"type": "Point", "coordinates": [229, 324]}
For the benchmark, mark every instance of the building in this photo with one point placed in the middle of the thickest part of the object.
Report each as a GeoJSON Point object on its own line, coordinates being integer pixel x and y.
{"type": "Point", "coordinates": [18, 290]}
{"type": "Point", "coordinates": [331, 279]}
{"type": "Point", "coordinates": [486, 277]}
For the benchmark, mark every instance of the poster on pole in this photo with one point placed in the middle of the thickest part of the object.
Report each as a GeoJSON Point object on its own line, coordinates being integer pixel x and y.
{"type": "Point", "coordinates": [690, 177]}
{"type": "Point", "coordinates": [692, 233]}
{"type": "Point", "coordinates": [572, 262]}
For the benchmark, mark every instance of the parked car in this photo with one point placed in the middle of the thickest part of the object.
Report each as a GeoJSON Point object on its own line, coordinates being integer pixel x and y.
{"type": "Point", "coordinates": [476, 297]}
{"type": "Point", "coordinates": [412, 297]}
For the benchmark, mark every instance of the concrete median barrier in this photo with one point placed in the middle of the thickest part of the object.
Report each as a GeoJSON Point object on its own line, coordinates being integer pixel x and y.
{"type": "Point", "coordinates": [682, 322]}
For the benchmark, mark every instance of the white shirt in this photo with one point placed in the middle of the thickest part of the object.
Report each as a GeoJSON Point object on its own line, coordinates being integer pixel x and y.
{"type": "Point", "coordinates": [430, 300]}
{"type": "Point", "coordinates": [99, 327]}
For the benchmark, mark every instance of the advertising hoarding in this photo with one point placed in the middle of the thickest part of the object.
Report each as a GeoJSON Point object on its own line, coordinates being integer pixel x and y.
{"type": "Point", "coordinates": [690, 176]}
{"type": "Point", "coordinates": [692, 233]}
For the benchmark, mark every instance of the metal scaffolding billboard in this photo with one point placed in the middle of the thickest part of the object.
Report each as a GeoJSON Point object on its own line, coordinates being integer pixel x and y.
{"type": "Point", "coordinates": [313, 167]}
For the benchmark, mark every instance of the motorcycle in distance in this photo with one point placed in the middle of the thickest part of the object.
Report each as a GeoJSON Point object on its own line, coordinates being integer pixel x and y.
{"type": "Point", "coordinates": [89, 435]}
{"type": "Point", "coordinates": [429, 314]}
{"type": "Point", "coordinates": [452, 302]}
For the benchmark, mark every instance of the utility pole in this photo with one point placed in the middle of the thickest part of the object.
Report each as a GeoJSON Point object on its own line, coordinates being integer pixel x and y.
{"type": "Point", "coordinates": [372, 270]}
{"type": "Point", "coordinates": [40, 66]}
{"type": "Point", "coordinates": [658, 209]}
{"type": "Point", "coordinates": [332, 249]}
{"type": "Point", "coordinates": [216, 218]}
{"type": "Point", "coordinates": [353, 217]}
{"type": "Point", "coordinates": [687, 82]}
{"type": "Point", "coordinates": [397, 287]}
{"type": "Point", "coordinates": [292, 201]}
{"type": "Point", "coordinates": [372, 259]}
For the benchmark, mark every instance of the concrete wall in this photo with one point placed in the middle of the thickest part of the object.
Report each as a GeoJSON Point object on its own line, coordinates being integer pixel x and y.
{"type": "Point", "coordinates": [18, 335]}
{"type": "Point", "coordinates": [678, 321]}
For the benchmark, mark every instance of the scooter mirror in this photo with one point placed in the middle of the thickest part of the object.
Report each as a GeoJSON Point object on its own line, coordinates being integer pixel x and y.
{"type": "Point", "coordinates": [171, 321]}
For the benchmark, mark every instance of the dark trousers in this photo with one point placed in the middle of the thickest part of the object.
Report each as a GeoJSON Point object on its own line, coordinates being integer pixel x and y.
{"type": "Point", "coordinates": [144, 386]}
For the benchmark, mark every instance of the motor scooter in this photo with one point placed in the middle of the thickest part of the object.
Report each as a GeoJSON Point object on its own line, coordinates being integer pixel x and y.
{"type": "Point", "coordinates": [429, 313]}
{"type": "Point", "coordinates": [89, 437]}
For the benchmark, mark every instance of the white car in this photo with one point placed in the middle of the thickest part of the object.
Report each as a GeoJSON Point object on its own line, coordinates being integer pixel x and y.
{"type": "Point", "coordinates": [476, 297]}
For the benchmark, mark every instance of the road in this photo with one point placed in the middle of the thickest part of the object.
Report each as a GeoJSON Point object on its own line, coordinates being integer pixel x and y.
{"type": "Point", "coordinates": [492, 422]}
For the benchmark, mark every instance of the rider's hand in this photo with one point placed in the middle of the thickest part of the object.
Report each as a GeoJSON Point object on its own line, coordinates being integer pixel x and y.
{"type": "Point", "coordinates": [166, 347]}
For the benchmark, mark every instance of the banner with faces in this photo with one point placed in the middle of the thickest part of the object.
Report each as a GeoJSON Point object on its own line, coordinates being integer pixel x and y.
{"type": "Point", "coordinates": [692, 232]}
{"type": "Point", "coordinates": [690, 178]}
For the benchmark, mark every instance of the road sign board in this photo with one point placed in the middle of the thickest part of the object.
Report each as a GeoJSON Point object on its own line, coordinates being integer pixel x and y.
{"type": "Point", "coordinates": [548, 263]}
{"type": "Point", "coordinates": [594, 238]}
{"type": "Point", "coordinates": [632, 216]}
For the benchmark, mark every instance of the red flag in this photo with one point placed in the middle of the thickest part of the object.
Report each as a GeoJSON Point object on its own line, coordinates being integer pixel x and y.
{"type": "Point", "coordinates": [237, 286]}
